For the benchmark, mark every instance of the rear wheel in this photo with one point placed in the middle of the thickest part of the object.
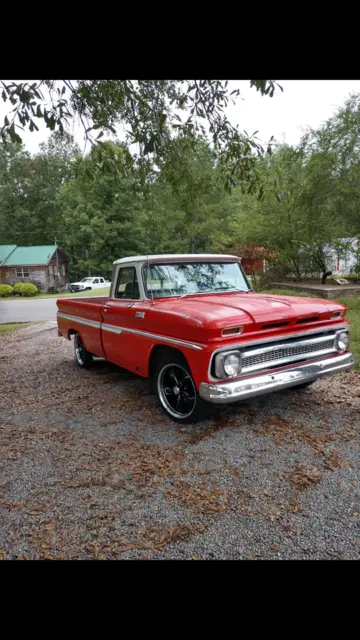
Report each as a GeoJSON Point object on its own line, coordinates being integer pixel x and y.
{"type": "Point", "coordinates": [176, 390]}
{"type": "Point", "coordinates": [83, 357]}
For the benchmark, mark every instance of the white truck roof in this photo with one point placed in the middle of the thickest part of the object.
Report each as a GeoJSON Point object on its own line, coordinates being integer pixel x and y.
{"type": "Point", "coordinates": [163, 257]}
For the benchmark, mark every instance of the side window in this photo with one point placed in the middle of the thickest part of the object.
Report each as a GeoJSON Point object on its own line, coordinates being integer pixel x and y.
{"type": "Point", "coordinates": [96, 281]}
{"type": "Point", "coordinates": [127, 285]}
{"type": "Point", "coordinates": [101, 280]}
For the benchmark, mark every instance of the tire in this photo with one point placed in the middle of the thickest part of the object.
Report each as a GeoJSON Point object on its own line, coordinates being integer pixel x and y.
{"type": "Point", "coordinates": [303, 385]}
{"type": "Point", "coordinates": [88, 289]}
{"type": "Point", "coordinates": [181, 401]}
{"type": "Point", "coordinates": [83, 357]}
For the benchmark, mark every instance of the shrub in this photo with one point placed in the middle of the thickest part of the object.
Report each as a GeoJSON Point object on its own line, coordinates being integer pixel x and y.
{"type": "Point", "coordinates": [5, 290]}
{"type": "Point", "coordinates": [29, 290]}
{"type": "Point", "coordinates": [17, 287]}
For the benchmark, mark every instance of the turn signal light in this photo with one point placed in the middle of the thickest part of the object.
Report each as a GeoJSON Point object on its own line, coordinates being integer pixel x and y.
{"type": "Point", "coordinates": [232, 331]}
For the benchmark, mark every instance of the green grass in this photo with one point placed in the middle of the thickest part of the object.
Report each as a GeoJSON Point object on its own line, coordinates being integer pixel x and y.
{"type": "Point", "coordinates": [5, 329]}
{"type": "Point", "coordinates": [67, 294]}
{"type": "Point", "coordinates": [352, 315]}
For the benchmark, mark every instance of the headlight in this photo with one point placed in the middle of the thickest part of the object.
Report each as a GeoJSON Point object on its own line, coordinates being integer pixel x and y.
{"type": "Point", "coordinates": [342, 340]}
{"type": "Point", "coordinates": [228, 365]}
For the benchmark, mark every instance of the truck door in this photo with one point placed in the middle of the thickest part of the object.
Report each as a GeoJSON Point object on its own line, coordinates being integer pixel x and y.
{"type": "Point", "coordinates": [125, 311]}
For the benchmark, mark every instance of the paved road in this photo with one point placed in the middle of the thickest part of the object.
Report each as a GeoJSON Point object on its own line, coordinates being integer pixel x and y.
{"type": "Point", "coordinates": [28, 310]}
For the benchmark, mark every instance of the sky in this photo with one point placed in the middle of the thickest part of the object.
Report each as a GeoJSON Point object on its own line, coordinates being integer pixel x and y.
{"type": "Point", "coordinates": [286, 116]}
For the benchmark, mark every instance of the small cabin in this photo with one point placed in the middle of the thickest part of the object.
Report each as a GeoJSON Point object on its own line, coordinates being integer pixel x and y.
{"type": "Point", "coordinates": [46, 266]}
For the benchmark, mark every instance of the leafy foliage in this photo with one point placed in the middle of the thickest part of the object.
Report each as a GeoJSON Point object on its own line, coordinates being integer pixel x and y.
{"type": "Point", "coordinates": [6, 290]}
{"type": "Point", "coordinates": [26, 289]}
{"type": "Point", "coordinates": [152, 112]}
{"type": "Point", "coordinates": [309, 201]}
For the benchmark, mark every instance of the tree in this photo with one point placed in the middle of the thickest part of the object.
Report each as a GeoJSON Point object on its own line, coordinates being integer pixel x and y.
{"type": "Point", "coordinates": [29, 186]}
{"type": "Point", "coordinates": [153, 111]}
{"type": "Point", "coordinates": [186, 201]}
{"type": "Point", "coordinates": [102, 216]}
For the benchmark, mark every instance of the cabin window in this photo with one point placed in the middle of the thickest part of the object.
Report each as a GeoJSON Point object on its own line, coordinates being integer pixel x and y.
{"type": "Point", "coordinates": [127, 287]}
{"type": "Point", "coordinates": [22, 272]}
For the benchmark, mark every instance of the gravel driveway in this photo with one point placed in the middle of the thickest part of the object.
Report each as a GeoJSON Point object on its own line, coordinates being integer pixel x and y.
{"type": "Point", "coordinates": [91, 468]}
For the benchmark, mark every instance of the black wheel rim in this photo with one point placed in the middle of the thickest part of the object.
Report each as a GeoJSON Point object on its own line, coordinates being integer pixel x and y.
{"type": "Point", "coordinates": [176, 391]}
{"type": "Point", "coordinates": [79, 350]}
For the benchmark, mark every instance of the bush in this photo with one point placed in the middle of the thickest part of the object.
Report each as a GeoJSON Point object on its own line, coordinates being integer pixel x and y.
{"type": "Point", "coordinates": [5, 290]}
{"type": "Point", "coordinates": [28, 290]}
{"type": "Point", "coordinates": [25, 289]}
{"type": "Point", "coordinates": [17, 288]}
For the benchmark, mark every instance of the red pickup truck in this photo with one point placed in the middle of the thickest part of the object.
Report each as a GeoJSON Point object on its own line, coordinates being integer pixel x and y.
{"type": "Point", "coordinates": [193, 324]}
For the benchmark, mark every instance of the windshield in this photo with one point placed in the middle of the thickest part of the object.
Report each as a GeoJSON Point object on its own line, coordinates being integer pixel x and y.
{"type": "Point", "coordinates": [186, 278]}
{"type": "Point", "coordinates": [86, 280]}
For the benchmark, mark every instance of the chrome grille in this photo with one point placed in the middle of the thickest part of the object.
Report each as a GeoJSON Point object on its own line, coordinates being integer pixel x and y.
{"type": "Point", "coordinates": [277, 354]}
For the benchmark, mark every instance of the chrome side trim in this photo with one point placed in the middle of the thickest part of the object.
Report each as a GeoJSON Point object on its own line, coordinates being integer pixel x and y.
{"type": "Point", "coordinates": [245, 344]}
{"type": "Point", "coordinates": [115, 329]}
{"type": "Point", "coordinates": [226, 392]}
{"type": "Point", "coordinates": [111, 328]}
{"type": "Point", "coordinates": [154, 336]}
{"type": "Point", "coordinates": [88, 323]}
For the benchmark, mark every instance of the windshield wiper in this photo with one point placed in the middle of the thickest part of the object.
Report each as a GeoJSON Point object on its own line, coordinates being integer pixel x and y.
{"type": "Point", "coordinates": [231, 289]}
{"type": "Point", "coordinates": [202, 293]}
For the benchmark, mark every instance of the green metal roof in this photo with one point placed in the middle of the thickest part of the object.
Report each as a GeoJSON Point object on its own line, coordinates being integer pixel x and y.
{"type": "Point", "coordinates": [27, 256]}
{"type": "Point", "coordinates": [5, 250]}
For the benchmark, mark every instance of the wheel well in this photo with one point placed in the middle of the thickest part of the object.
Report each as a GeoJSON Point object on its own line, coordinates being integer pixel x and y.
{"type": "Point", "coordinates": [72, 332]}
{"type": "Point", "coordinates": [157, 352]}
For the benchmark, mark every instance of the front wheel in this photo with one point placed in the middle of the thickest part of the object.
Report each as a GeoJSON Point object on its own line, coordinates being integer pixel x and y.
{"type": "Point", "coordinates": [83, 357]}
{"type": "Point", "coordinates": [176, 390]}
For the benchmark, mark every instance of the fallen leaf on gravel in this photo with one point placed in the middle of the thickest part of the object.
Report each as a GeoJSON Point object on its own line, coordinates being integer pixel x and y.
{"type": "Point", "coordinates": [333, 461]}
{"type": "Point", "coordinates": [200, 499]}
{"type": "Point", "coordinates": [275, 548]}
{"type": "Point", "coordinates": [294, 507]}
{"type": "Point", "coordinates": [342, 484]}
{"type": "Point", "coordinates": [355, 541]}
{"type": "Point", "coordinates": [14, 504]}
{"type": "Point", "coordinates": [355, 483]}
{"type": "Point", "coordinates": [303, 477]}
{"type": "Point", "coordinates": [274, 512]}
{"type": "Point", "coordinates": [2, 555]}
{"type": "Point", "coordinates": [250, 511]}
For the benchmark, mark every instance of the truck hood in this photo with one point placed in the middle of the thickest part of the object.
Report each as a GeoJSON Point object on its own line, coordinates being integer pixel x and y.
{"type": "Point", "coordinates": [212, 313]}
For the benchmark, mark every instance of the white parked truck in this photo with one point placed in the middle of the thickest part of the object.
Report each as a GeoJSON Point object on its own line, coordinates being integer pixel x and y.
{"type": "Point", "coordinates": [89, 283]}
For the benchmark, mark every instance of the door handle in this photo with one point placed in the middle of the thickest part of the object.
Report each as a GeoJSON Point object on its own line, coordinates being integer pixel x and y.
{"type": "Point", "coordinates": [105, 307]}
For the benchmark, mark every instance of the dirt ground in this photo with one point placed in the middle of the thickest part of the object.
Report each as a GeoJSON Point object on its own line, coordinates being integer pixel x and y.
{"type": "Point", "coordinates": [90, 467]}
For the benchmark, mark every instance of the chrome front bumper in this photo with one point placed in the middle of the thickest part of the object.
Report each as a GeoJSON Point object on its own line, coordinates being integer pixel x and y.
{"type": "Point", "coordinates": [257, 385]}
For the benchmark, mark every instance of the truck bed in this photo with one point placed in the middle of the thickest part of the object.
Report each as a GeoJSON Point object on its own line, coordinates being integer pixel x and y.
{"type": "Point", "coordinates": [88, 310]}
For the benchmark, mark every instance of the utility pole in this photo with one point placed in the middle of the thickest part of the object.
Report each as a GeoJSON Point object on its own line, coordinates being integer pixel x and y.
{"type": "Point", "coordinates": [57, 278]}
{"type": "Point", "coordinates": [57, 258]}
